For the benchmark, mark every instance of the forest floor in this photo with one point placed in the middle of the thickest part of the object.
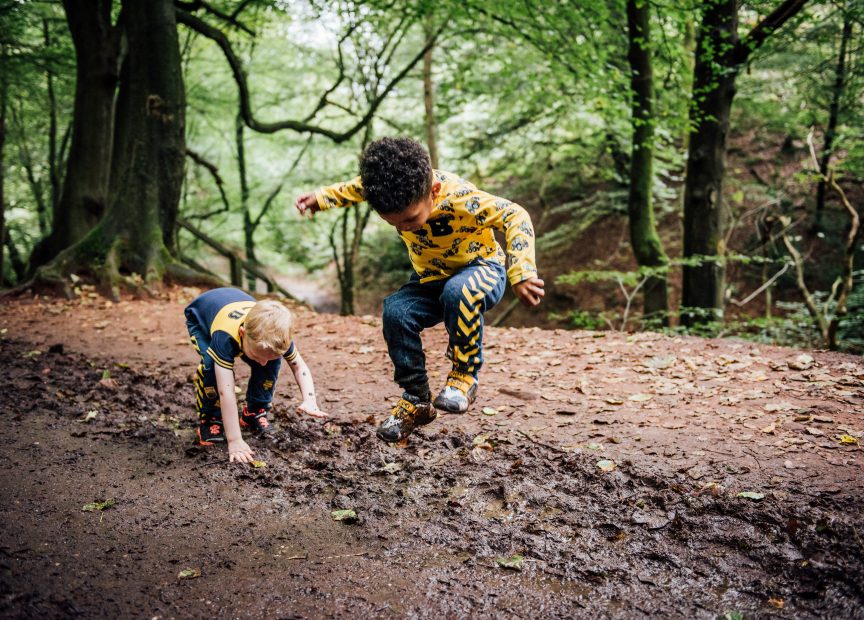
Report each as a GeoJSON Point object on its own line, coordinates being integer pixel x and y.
{"type": "Point", "coordinates": [612, 463]}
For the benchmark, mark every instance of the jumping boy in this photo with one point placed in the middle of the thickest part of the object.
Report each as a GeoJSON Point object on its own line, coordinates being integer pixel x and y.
{"type": "Point", "coordinates": [447, 224]}
{"type": "Point", "coordinates": [225, 323]}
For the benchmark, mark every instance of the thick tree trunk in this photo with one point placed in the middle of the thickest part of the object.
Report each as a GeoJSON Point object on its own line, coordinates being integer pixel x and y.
{"type": "Point", "coordinates": [713, 92]}
{"type": "Point", "coordinates": [833, 115]}
{"type": "Point", "coordinates": [643, 233]}
{"type": "Point", "coordinates": [150, 145]}
{"type": "Point", "coordinates": [84, 195]}
{"type": "Point", "coordinates": [131, 243]}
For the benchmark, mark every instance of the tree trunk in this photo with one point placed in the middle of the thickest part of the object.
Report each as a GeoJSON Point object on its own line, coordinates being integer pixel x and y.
{"type": "Point", "coordinates": [131, 244]}
{"type": "Point", "coordinates": [719, 58]}
{"type": "Point", "coordinates": [429, 98]}
{"type": "Point", "coordinates": [53, 163]}
{"type": "Point", "coordinates": [713, 92]}
{"type": "Point", "coordinates": [150, 145]}
{"type": "Point", "coordinates": [643, 233]}
{"type": "Point", "coordinates": [833, 114]}
{"type": "Point", "coordinates": [248, 225]}
{"type": "Point", "coordinates": [4, 98]}
{"type": "Point", "coordinates": [85, 191]}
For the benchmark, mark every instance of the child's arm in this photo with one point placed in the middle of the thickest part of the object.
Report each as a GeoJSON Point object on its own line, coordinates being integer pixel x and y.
{"type": "Point", "coordinates": [344, 194]}
{"type": "Point", "coordinates": [514, 221]}
{"type": "Point", "coordinates": [238, 449]}
{"type": "Point", "coordinates": [303, 376]}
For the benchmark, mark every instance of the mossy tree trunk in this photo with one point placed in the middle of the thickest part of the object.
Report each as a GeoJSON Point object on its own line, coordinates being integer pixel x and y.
{"type": "Point", "coordinates": [643, 232]}
{"type": "Point", "coordinates": [84, 196]}
{"type": "Point", "coordinates": [133, 243]}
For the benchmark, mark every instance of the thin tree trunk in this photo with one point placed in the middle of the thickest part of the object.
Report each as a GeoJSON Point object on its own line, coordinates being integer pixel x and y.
{"type": "Point", "coordinates": [4, 98]}
{"type": "Point", "coordinates": [833, 115]}
{"type": "Point", "coordinates": [429, 98]}
{"type": "Point", "coordinates": [85, 190]}
{"type": "Point", "coordinates": [248, 226]}
{"type": "Point", "coordinates": [643, 233]}
{"type": "Point", "coordinates": [53, 161]}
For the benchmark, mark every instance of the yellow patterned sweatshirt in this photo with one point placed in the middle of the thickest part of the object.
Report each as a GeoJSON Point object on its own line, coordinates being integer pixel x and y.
{"type": "Point", "coordinates": [459, 229]}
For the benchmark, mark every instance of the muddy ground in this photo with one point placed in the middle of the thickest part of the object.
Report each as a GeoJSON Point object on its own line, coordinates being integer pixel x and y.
{"type": "Point", "coordinates": [682, 425]}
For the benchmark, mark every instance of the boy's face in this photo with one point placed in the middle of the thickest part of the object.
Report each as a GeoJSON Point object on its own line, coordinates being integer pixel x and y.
{"type": "Point", "coordinates": [258, 354]}
{"type": "Point", "coordinates": [415, 216]}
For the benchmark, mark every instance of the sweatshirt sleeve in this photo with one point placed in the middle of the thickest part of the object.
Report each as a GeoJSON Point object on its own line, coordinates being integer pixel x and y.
{"type": "Point", "coordinates": [512, 220]}
{"type": "Point", "coordinates": [344, 194]}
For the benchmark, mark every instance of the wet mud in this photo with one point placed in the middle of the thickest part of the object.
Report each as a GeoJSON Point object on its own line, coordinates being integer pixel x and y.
{"type": "Point", "coordinates": [436, 519]}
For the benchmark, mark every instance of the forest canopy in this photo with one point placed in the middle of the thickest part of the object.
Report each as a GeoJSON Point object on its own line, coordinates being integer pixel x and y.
{"type": "Point", "coordinates": [688, 166]}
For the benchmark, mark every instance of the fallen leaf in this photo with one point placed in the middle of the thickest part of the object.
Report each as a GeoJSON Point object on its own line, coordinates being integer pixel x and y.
{"type": "Point", "coordinates": [606, 465]}
{"type": "Point", "coordinates": [640, 398]}
{"type": "Point", "coordinates": [614, 401]}
{"type": "Point", "coordinates": [814, 431]}
{"type": "Point", "coordinates": [751, 495]}
{"type": "Point", "coordinates": [259, 464]}
{"type": "Point", "coordinates": [490, 411]}
{"type": "Point", "coordinates": [514, 562]}
{"type": "Point", "coordinates": [392, 468]}
{"type": "Point", "coordinates": [332, 429]}
{"type": "Point", "coordinates": [802, 362]}
{"type": "Point", "coordinates": [90, 416]}
{"type": "Point", "coordinates": [594, 446]}
{"type": "Point", "coordinates": [779, 407]}
{"type": "Point", "coordinates": [96, 506]}
{"type": "Point", "coordinates": [189, 573]}
{"type": "Point", "coordinates": [770, 429]}
{"type": "Point", "coordinates": [848, 439]}
{"type": "Point", "coordinates": [776, 602]}
{"type": "Point", "coordinates": [346, 516]}
{"type": "Point", "coordinates": [660, 362]}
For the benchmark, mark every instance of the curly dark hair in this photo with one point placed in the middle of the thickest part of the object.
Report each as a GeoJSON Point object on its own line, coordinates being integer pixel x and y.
{"type": "Point", "coordinates": [396, 173]}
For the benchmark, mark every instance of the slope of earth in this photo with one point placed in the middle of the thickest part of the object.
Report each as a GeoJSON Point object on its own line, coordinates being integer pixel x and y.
{"type": "Point", "coordinates": [612, 465]}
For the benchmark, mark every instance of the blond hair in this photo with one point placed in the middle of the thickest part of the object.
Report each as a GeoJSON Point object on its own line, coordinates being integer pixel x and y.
{"type": "Point", "coordinates": [269, 325]}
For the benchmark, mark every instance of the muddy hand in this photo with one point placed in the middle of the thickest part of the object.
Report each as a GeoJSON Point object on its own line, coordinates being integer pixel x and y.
{"type": "Point", "coordinates": [239, 451]}
{"type": "Point", "coordinates": [529, 291]}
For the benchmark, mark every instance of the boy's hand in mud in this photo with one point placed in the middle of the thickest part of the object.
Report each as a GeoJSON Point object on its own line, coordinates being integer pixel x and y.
{"type": "Point", "coordinates": [239, 450]}
{"type": "Point", "coordinates": [307, 204]}
{"type": "Point", "coordinates": [529, 291]}
{"type": "Point", "coordinates": [310, 407]}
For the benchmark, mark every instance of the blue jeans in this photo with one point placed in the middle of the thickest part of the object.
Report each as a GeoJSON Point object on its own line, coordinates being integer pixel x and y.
{"type": "Point", "coordinates": [259, 393]}
{"type": "Point", "coordinates": [459, 301]}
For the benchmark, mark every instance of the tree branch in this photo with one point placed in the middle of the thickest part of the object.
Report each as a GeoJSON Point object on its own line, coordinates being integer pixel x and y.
{"type": "Point", "coordinates": [214, 172]}
{"type": "Point", "coordinates": [245, 106]}
{"type": "Point", "coordinates": [194, 5]}
{"type": "Point", "coordinates": [764, 29]}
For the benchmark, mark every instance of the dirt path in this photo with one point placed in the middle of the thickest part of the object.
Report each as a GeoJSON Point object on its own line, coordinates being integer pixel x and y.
{"type": "Point", "coordinates": [687, 425]}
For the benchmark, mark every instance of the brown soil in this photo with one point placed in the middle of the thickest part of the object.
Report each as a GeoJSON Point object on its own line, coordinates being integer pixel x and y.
{"type": "Point", "coordinates": [688, 424]}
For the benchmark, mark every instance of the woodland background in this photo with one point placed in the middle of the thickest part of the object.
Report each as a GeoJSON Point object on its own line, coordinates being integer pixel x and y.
{"type": "Point", "coordinates": [689, 166]}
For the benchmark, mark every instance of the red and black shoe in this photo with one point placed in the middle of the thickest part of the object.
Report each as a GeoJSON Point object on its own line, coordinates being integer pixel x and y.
{"type": "Point", "coordinates": [211, 432]}
{"type": "Point", "coordinates": [256, 422]}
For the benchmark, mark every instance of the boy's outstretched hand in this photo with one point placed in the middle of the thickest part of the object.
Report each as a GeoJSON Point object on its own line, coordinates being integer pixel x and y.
{"type": "Point", "coordinates": [239, 450]}
{"type": "Point", "coordinates": [529, 291]}
{"type": "Point", "coordinates": [307, 204]}
{"type": "Point", "coordinates": [311, 408]}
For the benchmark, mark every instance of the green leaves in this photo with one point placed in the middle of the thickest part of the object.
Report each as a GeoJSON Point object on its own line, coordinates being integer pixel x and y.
{"type": "Point", "coordinates": [345, 516]}
{"type": "Point", "coordinates": [514, 562]}
{"type": "Point", "coordinates": [98, 506]}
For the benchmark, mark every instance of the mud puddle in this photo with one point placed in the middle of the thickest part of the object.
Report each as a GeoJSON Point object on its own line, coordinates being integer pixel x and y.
{"type": "Point", "coordinates": [435, 520]}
